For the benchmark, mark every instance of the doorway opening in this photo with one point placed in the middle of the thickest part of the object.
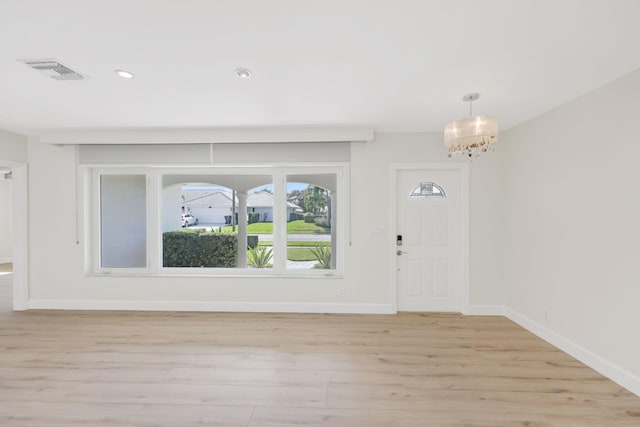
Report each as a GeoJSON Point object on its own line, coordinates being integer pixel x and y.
{"type": "Point", "coordinates": [6, 239]}
{"type": "Point", "coordinates": [430, 219]}
{"type": "Point", "coordinates": [13, 251]}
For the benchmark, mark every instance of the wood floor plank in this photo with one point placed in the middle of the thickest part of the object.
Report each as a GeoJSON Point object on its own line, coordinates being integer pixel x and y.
{"type": "Point", "coordinates": [65, 414]}
{"type": "Point", "coordinates": [278, 417]}
{"type": "Point", "coordinates": [90, 368]}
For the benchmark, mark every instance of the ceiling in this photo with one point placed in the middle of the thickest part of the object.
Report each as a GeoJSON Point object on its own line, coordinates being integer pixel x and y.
{"type": "Point", "coordinates": [396, 65]}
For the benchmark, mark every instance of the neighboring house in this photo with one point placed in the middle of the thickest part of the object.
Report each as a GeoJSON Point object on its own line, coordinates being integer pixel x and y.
{"type": "Point", "coordinates": [212, 206]}
{"type": "Point", "coordinates": [262, 202]}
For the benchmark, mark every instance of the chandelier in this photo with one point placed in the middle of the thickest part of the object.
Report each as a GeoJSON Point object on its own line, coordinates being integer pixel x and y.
{"type": "Point", "coordinates": [473, 135]}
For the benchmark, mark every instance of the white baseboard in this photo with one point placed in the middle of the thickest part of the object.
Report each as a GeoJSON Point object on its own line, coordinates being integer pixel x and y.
{"type": "Point", "coordinates": [5, 260]}
{"type": "Point", "coordinates": [255, 307]}
{"type": "Point", "coordinates": [603, 366]}
{"type": "Point", "coordinates": [484, 310]}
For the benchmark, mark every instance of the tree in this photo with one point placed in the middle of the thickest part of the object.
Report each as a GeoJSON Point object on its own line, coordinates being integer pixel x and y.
{"type": "Point", "coordinates": [315, 199]}
{"type": "Point", "coordinates": [296, 197]}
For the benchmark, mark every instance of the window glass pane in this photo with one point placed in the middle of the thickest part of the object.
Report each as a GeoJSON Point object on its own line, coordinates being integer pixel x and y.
{"type": "Point", "coordinates": [311, 217]}
{"type": "Point", "coordinates": [203, 215]}
{"type": "Point", "coordinates": [123, 224]}
{"type": "Point", "coordinates": [260, 203]}
{"type": "Point", "coordinates": [427, 190]}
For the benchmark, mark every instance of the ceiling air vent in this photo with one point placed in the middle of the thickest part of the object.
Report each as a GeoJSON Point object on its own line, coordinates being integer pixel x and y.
{"type": "Point", "coordinates": [53, 69]}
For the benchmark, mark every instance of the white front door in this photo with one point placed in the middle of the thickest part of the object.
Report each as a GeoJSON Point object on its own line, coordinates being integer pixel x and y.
{"type": "Point", "coordinates": [429, 260]}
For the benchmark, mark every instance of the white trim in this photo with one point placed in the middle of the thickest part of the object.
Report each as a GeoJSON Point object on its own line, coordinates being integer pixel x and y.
{"type": "Point", "coordinates": [464, 292]}
{"type": "Point", "coordinates": [215, 306]}
{"type": "Point", "coordinates": [607, 368]}
{"type": "Point", "coordinates": [96, 235]}
{"type": "Point", "coordinates": [20, 224]}
{"type": "Point", "coordinates": [279, 221]}
{"type": "Point", "coordinates": [210, 135]}
{"type": "Point", "coordinates": [484, 310]}
{"type": "Point", "coordinates": [154, 222]}
{"type": "Point", "coordinates": [6, 260]}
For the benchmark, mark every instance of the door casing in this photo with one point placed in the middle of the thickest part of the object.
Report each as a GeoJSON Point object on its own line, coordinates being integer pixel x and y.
{"type": "Point", "coordinates": [463, 169]}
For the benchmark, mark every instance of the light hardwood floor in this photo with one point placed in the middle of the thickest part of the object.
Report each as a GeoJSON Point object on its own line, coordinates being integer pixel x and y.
{"type": "Point", "coordinates": [208, 369]}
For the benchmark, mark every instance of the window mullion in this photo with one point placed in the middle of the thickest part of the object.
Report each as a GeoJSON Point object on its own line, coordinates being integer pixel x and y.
{"type": "Point", "coordinates": [279, 221]}
{"type": "Point", "coordinates": [154, 229]}
{"type": "Point", "coordinates": [95, 229]}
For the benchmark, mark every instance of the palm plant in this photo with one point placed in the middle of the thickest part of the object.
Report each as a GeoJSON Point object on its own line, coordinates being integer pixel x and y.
{"type": "Point", "coordinates": [315, 198]}
{"type": "Point", "coordinates": [323, 255]}
{"type": "Point", "coordinates": [259, 257]}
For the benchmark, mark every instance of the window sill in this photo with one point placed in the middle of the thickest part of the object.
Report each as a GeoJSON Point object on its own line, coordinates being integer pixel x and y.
{"type": "Point", "coordinates": [226, 275]}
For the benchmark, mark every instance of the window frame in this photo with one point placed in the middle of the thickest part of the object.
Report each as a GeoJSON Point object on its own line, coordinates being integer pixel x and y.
{"type": "Point", "coordinates": [441, 194]}
{"type": "Point", "coordinates": [96, 228]}
{"type": "Point", "coordinates": [154, 188]}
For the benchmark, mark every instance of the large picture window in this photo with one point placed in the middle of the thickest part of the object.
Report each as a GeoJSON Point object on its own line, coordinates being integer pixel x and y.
{"type": "Point", "coordinates": [224, 220]}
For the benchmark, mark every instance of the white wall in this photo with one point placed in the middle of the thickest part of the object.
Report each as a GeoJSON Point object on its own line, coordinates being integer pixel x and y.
{"type": "Point", "coordinates": [57, 270]}
{"type": "Point", "coordinates": [13, 147]}
{"type": "Point", "coordinates": [6, 230]}
{"type": "Point", "coordinates": [572, 227]}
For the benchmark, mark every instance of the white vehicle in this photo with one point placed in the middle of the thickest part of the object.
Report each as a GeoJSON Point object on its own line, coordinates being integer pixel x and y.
{"type": "Point", "coordinates": [188, 219]}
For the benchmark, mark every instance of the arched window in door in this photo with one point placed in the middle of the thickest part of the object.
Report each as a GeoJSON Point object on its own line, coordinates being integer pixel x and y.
{"type": "Point", "coordinates": [428, 190]}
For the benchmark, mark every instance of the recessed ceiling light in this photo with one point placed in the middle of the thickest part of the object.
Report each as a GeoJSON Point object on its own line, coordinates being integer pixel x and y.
{"type": "Point", "coordinates": [243, 73]}
{"type": "Point", "coordinates": [124, 74]}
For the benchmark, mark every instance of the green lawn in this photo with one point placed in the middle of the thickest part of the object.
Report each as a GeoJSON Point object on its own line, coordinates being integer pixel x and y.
{"type": "Point", "coordinates": [300, 254]}
{"type": "Point", "coordinates": [255, 228]}
{"type": "Point", "coordinates": [293, 227]}
{"type": "Point", "coordinates": [296, 244]}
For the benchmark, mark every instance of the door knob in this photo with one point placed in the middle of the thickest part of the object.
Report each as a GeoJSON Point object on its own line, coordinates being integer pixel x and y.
{"type": "Point", "coordinates": [399, 252]}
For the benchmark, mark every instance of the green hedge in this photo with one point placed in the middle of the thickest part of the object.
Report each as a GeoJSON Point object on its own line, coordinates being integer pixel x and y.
{"type": "Point", "coordinates": [322, 222]}
{"type": "Point", "coordinates": [199, 249]}
{"type": "Point", "coordinates": [309, 217]}
{"type": "Point", "coordinates": [253, 217]}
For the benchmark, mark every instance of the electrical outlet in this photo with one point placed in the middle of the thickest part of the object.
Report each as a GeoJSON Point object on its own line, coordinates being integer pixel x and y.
{"type": "Point", "coordinates": [342, 292]}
